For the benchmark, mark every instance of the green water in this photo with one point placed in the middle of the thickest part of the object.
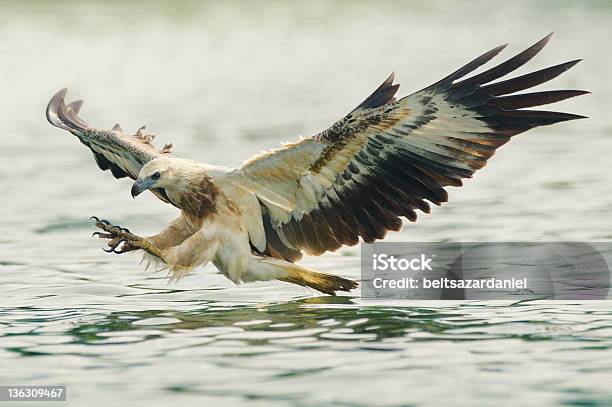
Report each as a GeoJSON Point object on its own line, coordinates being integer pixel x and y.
{"type": "Point", "coordinates": [223, 81]}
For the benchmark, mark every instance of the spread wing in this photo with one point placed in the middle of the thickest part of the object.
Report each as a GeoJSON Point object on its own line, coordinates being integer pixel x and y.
{"type": "Point", "coordinates": [122, 154]}
{"type": "Point", "coordinates": [388, 158]}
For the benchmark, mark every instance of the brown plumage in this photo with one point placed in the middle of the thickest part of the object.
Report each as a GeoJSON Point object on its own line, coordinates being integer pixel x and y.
{"type": "Point", "coordinates": [200, 199]}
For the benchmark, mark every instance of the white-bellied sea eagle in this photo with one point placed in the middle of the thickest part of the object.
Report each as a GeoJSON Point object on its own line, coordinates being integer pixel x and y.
{"type": "Point", "coordinates": [384, 160]}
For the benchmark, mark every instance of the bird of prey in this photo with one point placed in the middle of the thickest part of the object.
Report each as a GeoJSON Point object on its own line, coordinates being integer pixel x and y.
{"type": "Point", "coordinates": [384, 160]}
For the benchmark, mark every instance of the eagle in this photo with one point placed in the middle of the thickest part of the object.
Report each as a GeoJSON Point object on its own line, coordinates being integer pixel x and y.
{"type": "Point", "coordinates": [385, 160]}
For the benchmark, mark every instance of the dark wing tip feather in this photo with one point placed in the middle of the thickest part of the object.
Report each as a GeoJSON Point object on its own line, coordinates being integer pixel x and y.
{"type": "Point", "coordinates": [513, 122]}
{"type": "Point", "coordinates": [536, 117]}
{"type": "Point", "coordinates": [508, 66]}
{"type": "Point", "coordinates": [526, 81]}
{"type": "Point", "coordinates": [498, 104]}
{"type": "Point", "coordinates": [469, 67]}
{"type": "Point", "coordinates": [524, 100]}
{"type": "Point", "coordinates": [384, 94]}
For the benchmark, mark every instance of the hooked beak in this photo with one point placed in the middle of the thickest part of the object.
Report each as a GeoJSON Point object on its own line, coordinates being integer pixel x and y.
{"type": "Point", "coordinates": [141, 185]}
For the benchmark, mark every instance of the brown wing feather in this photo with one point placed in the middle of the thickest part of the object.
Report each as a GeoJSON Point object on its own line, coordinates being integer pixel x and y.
{"type": "Point", "coordinates": [123, 155]}
{"type": "Point", "coordinates": [387, 159]}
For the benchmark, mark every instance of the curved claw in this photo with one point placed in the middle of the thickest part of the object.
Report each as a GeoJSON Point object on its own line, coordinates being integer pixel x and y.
{"type": "Point", "coordinates": [117, 245]}
{"type": "Point", "coordinates": [113, 246]}
{"type": "Point", "coordinates": [122, 250]}
{"type": "Point", "coordinates": [94, 218]}
{"type": "Point", "coordinates": [94, 234]}
{"type": "Point", "coordinates": [118, 242]}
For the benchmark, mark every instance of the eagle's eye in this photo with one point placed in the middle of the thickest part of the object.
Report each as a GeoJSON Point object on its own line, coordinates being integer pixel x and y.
{"type": "Point", "coordinates": [155, 176]}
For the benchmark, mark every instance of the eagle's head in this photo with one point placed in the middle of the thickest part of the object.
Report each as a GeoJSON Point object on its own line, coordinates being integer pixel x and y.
{"type": "Point", "coordinates": [167, 172]}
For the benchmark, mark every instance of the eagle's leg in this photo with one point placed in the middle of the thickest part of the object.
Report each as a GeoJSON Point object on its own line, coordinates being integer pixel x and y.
{"type": "Point", "coordinates": [174, 234]}
{"type": "Point", "coordinates": [118, 235]}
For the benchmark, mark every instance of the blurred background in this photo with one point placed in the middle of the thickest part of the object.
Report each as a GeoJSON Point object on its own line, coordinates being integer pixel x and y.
{"type": "Point", "coordinates": [224, 80]}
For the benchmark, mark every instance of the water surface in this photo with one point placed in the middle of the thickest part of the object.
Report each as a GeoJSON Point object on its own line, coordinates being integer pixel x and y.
{"type": "Point", "coordinates": [223, 81]}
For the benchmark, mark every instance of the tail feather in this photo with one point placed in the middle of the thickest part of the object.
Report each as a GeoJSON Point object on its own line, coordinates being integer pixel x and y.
{"type": "Point", "coordinates": [272, 268]}
{"type": "Point", "coordinates": [325, 283]}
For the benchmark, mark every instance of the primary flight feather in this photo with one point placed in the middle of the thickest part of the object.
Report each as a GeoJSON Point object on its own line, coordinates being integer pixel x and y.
{"type": "Point", "coordinates": [385, 160]}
